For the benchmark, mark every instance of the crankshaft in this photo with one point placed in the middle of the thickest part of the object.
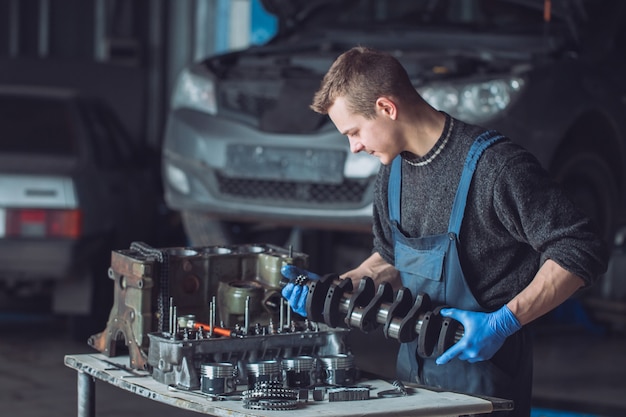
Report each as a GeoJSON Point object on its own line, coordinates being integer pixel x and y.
{"type": "Point", "coordinates": [332, 300]}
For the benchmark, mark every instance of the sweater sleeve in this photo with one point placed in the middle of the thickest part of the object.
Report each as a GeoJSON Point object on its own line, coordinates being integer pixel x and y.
{"type": "Point", "coordinates": [534, 209]}
{"type": "Point", "coordinates": [383, 239]}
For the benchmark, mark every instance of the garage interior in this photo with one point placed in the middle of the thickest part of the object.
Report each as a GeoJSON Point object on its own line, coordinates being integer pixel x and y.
{"type": "Point", "coordinates": [130, 53]}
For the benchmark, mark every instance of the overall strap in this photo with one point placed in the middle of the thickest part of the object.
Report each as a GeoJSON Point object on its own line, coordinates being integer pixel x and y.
{"type": "Point", "coordinates": [394, 188]}
{"type": "Point", "coordinates": [481, 143]}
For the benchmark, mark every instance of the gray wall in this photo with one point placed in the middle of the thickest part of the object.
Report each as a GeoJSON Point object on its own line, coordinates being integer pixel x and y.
{"type": "Point", "coordinates": [126, 51]}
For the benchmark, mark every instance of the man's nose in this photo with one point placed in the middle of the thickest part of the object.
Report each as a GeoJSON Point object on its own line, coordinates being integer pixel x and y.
{"type": "Point", "coordinates": [356, 146]}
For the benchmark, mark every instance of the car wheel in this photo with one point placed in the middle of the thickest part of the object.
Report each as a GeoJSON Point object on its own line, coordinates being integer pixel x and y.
{"type": "Point", "coordinates": [204, 230]}
{"type": "Point", "coordinates": [588, 180]}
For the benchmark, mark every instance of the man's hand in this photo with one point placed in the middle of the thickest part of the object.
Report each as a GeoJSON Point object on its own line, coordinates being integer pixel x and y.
{"type": "Point", "coordinates": [296, 296]}
{"type": "Point", "coordinates": [376, 268]}
{"type": "Point", "coordinates": [484, 333]}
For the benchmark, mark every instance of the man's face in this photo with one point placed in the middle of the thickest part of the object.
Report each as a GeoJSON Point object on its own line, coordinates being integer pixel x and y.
{"type": "Point", "coordinates": [375, 136]}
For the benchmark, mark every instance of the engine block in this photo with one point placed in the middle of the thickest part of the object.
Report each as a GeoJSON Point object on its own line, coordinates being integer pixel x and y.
{"type": "Point", "coordinates": [148, 281]}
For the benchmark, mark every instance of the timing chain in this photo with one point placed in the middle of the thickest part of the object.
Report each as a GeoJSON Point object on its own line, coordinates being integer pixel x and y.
{"type": "Point", "coordinates": [164, 279]}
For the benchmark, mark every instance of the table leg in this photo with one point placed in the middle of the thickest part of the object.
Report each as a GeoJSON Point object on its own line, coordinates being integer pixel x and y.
{"type": "Point", "coordinates": [86, 395]}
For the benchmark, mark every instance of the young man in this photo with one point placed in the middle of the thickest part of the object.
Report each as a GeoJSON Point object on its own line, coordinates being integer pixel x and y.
{"type": "Point", "coordinates": [464, 215]}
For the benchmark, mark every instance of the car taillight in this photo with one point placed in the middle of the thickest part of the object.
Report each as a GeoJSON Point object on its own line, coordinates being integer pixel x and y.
{"type": "Point", "coordinates": [43, 223]}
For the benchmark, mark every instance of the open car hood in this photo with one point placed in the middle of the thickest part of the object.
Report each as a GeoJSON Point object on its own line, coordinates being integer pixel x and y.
{"type": "Point", "coordinates": [292, 12]}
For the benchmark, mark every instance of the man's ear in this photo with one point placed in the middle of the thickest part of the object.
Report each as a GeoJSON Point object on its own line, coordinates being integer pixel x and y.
{"type": "Point", "coordinates": [386, 107]}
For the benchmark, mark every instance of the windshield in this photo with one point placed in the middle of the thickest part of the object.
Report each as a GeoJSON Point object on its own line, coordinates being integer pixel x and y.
{"type": "Point", "coordinates": [35, 126]}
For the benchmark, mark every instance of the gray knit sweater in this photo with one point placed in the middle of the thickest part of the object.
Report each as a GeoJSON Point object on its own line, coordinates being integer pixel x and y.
{"type": "Point", "coordinates": [515, 217]}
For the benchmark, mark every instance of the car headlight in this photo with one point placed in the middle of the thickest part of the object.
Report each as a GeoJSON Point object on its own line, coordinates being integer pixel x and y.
{"type": "Point", "coordinates": [473, 102]}
{"type": "Point", "coordinates": [177, 178]}
{"type": "Point", "coordinates": [361, 165]}
{"type": "Point", "coordinates": [195, 92]}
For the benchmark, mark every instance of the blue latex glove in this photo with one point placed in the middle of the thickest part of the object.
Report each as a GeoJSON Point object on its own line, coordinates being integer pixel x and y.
{"type": "Point", "coordinates": [296, 296]}
{"type": "Point", "coordinates": [484, 333]}
{"type": "Point", "coordinates": [294, 293]}
{"type": "Point", "coordinates": [292, 272]}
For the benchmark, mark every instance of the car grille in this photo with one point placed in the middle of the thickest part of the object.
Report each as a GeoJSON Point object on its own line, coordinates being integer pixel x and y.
{"type": "Point", "coordinates": [348, 194]}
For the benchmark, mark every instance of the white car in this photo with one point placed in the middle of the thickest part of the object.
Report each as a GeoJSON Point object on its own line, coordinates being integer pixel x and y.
{"type": "Point", "coordinates": [73, 187]}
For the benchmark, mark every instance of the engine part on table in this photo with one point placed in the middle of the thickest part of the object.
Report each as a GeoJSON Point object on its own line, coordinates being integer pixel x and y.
{"type": "Point", "coordinates": [348, 394]}
{"type": "Point", "coordinates": [398, 391]}
{"type": "Point", "coordinates": [263, 371]}
{"type": "Point", "coordinates": [298, 372]}
{"type": "Point", "coordinates": [332, 300]}
{"type": "Point", "coordinates": [145, 279]}
{"type": "Point", "coordinates": [270, 395]}
{"type": "Point", "coordinates": [218, 378]}
{"type": "Point", "coordinates": [162, 293]}
{"type": "Point", "coordinates": [232, 296]}
{"type": "Point", "coordinates": [338, 369]}
{"type": "Point", "coordinates": [176, 358]}
{"type": "Point", "coordinates": [210, 330]}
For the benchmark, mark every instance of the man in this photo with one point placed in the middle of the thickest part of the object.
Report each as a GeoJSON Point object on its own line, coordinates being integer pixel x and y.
{"type": "Point", "coordinates": [464, 215]}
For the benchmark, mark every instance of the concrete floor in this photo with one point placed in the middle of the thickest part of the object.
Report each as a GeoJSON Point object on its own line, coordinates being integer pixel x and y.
{"type": "Point", "coordinates": [577, 369]}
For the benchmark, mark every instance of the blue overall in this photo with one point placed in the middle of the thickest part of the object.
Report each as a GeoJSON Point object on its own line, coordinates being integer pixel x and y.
{"type": "Point", "coordinates": [430, 264]}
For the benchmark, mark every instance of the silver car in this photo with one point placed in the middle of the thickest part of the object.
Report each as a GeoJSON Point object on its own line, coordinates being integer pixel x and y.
{"type": "Point", "coordinates": [243, 148]}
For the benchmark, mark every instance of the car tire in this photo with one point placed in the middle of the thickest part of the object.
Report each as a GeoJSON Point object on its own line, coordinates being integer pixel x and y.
{"type": "Point", "coordinates": [590, 183]}
{"type": "Point", "coordinates": [82, 326]}
{"type": "Point", "coordinates": [204, 230]}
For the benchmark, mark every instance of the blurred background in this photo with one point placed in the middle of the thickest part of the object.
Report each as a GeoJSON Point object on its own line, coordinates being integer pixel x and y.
{"type": "Point", "coordinates": [186, 123]}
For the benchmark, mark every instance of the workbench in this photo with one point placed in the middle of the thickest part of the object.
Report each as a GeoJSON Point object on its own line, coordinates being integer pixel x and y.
{"type": "Point", "coordinates": [420, 401]}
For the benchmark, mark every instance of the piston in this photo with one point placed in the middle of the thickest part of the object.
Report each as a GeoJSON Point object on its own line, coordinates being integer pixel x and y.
{"type": "Point", "coordinates": [298, 372]}
{"type": "Point", "coordinates": [338, 369]}
{"type": "Point", "coordinates": [217, 378]}
{"type": "Point", "coordinates": [263, 371]}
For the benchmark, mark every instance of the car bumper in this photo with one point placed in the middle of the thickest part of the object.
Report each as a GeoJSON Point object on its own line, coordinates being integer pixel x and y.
{"type": "Point", "coordinates": [31, 260]}
{"type": "Point", "coordinates": [196, 146]}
